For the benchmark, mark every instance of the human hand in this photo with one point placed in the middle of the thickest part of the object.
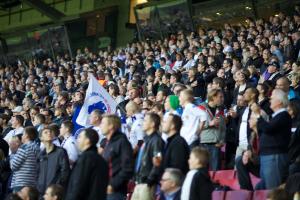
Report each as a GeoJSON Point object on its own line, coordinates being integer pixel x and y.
{"type": "Point", "coordinates": [246, 157]}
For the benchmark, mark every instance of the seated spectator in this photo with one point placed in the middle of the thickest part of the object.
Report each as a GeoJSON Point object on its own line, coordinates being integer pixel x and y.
{"type": "Point", "coordinates": [170, 184]}
{"type": "Point", "coordinates": [197, 184]}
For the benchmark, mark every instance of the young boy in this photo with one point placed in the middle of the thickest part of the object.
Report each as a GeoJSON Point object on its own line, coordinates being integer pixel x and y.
{"type": "Point", "coordinates": [197, 184]}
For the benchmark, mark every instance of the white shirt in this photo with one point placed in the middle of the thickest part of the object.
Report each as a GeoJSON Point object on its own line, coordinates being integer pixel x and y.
{"type": "Point", "coordinates": [177, 65]}
{"type": "Point", "coordinates": [186, 186]}
{"type": "Point", "coordinates": [278, 111]}
{"type": "Point", "coordinates": [191, 118]}
{"type": "Point", "coordinates": [191, 63]}
{"type": "Point", "coordinates": [135, 131]}
{"type": "Point", "coordinates": [101, 136]}
{"type": "Point", "coordinates": [243, 128]}
{"type": "Point", "coordinates": [13, 133]}
{"type": "Point", "coordinates": [69, 144]}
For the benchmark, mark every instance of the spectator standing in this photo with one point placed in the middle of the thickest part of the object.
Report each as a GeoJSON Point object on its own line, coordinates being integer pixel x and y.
{"type": "Point", "coordinates": [274, 138]}
{"type": "Point", "coordinates": [53, 163]}
{"type": "Point", "coordinates": [193, 118]}
{"type": "Point", "coordinates": [89, 177]}
{"type": "Point", "coordinates": [17, 124]}
{"type": "Point", "coordinates": [177, 150]}
{"type": "Point", "coordinates": [149, 161]}
{"type": "Point", "coordinates": [212, 135]}
{"type": "Point", "coordinates": [119, 155]}
{"type": "Point", "coordinates": [69, 142]}
{"type": "Point", "coordinates": [24, 162]}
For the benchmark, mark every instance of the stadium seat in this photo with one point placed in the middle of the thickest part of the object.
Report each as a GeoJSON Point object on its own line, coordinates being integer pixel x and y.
{"type": "Point", "coordinates": [254, 179]}
{"type": "Point", "coordinates": [260, 194]}
{"type": "Point", "coordinates": [130, 186]}
{"type": "Point", "coordinates": [211, 174]}
{"type": "Point", "coordinates": [227, 178]}
{"type": "Point", "coordinates": [238, 195]}
{"type": "Point", "coordinates": [218, 195]}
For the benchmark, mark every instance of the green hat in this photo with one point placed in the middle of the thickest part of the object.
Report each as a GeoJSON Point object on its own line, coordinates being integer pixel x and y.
{"type": "Point", "coordinates": [174, 101]}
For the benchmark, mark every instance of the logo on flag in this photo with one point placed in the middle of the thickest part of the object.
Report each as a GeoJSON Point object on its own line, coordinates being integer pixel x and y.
{"type": "Point", "coordinates": [96, 98]}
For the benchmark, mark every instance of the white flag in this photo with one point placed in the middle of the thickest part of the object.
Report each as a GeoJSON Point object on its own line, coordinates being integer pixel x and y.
{"type": "Point", "coordinates": [96, 98]}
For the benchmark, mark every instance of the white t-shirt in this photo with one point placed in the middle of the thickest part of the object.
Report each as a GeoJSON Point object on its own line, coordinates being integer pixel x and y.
{"type": "Point", "coordinates": [69, 144]}
{"type": "Point", "coordinates": [191, 118]}
{"type": "Point", "coordinates": [135, 131]}
{"type": "Point", "coordinates": [243, 141]}
{"type": "Point", "coordinates": [13, 133]}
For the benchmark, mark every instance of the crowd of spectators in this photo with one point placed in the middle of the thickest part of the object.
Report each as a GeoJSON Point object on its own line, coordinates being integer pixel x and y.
{"type": "Point", "coordinates": [207, 100]}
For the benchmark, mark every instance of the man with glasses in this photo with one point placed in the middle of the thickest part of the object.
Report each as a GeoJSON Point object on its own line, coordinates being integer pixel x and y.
{"type": "Point", "coordinates": [171, 184]}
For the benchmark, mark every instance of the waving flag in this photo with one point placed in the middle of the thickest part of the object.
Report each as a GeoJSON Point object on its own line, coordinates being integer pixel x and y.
{"type": "Point", "coordinates": [96, 98]}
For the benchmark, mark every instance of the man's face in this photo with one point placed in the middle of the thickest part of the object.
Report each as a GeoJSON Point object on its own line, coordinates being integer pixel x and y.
{"type": "Point", "coordinates": [47, 135]}
{"type": "Point", "coordinates": [274, 102]}
{"type": "Point", "coordinates": [48, 196]}
{"type": "Point", "coordinates": [133, 94]}
{"type": "Point", "coordinates": [94, 119]}
{"type": "Point", "coordinates": [166, 125]}
{"type": "Point", "coordinates": [272, 69]}
{"type": "Point", "coordinates": [281, 84]}
{"type": "Point", "coordinates": [240, 101]}
{"type": "Point", "coordinates": [166, 183]}
{"type": "Point", "coordinates": [247, 95]}
{"type": "Point", "coordinates": [147, 124]}
{"type": "Point", "coordinates": [63, 129]}
{"type": "Point", "coordinates": [181, 98]}
{"type": "Point", "coordinates": [219, 99]}
{"type": "Point", "coordinates": [105, 126]}
{"type": "Point", "coordinates": [159, 96]}
{"type": "Point", "coordinates": [81, 141]}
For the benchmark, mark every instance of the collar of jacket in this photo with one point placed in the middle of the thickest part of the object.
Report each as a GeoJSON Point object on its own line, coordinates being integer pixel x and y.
{"type": "Point", "coordinates": [44, 152]}
{"type": "Point", "coordinates": [91, 148]}
{"type": "Point", "coordinates": [148, 137]}
{"type": "Point", "coordinates": [172, 137]}
{"type": "Point", "coordinates": [116, 135]}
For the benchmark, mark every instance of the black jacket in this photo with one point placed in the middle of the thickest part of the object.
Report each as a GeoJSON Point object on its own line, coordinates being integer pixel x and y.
{"type": "Point", "coordinates": [148, 173]}
{"type": "Point", "coordinates": [53, 168]}
{"type": "Point", "coordinates": [89, 177]}
{"type": "Point", "coordinates": [274, 136]}
{"type": "Point", "coordinates": [294, 146]}
{"type": "Point", "coordinates": [119, 155]}
{"type": "Point", "coordinates": [201, 187]}
{"type": "Point", "coordinates": [177, 154]}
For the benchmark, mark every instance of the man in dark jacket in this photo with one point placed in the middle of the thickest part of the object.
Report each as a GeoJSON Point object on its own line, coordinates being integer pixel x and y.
{"type": "Point", "coordinates": [53, 167]}
{"type": "Point", "coordinates": [119, 155]}
{"type": "Point", "coordinates": [89, 177]}
{"type": "Point", "coordinates": [149, 166]}
{"type": "Point", "coordinates": [177, 150]}
{"type": "Point", "coordinates": [274, 138]}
